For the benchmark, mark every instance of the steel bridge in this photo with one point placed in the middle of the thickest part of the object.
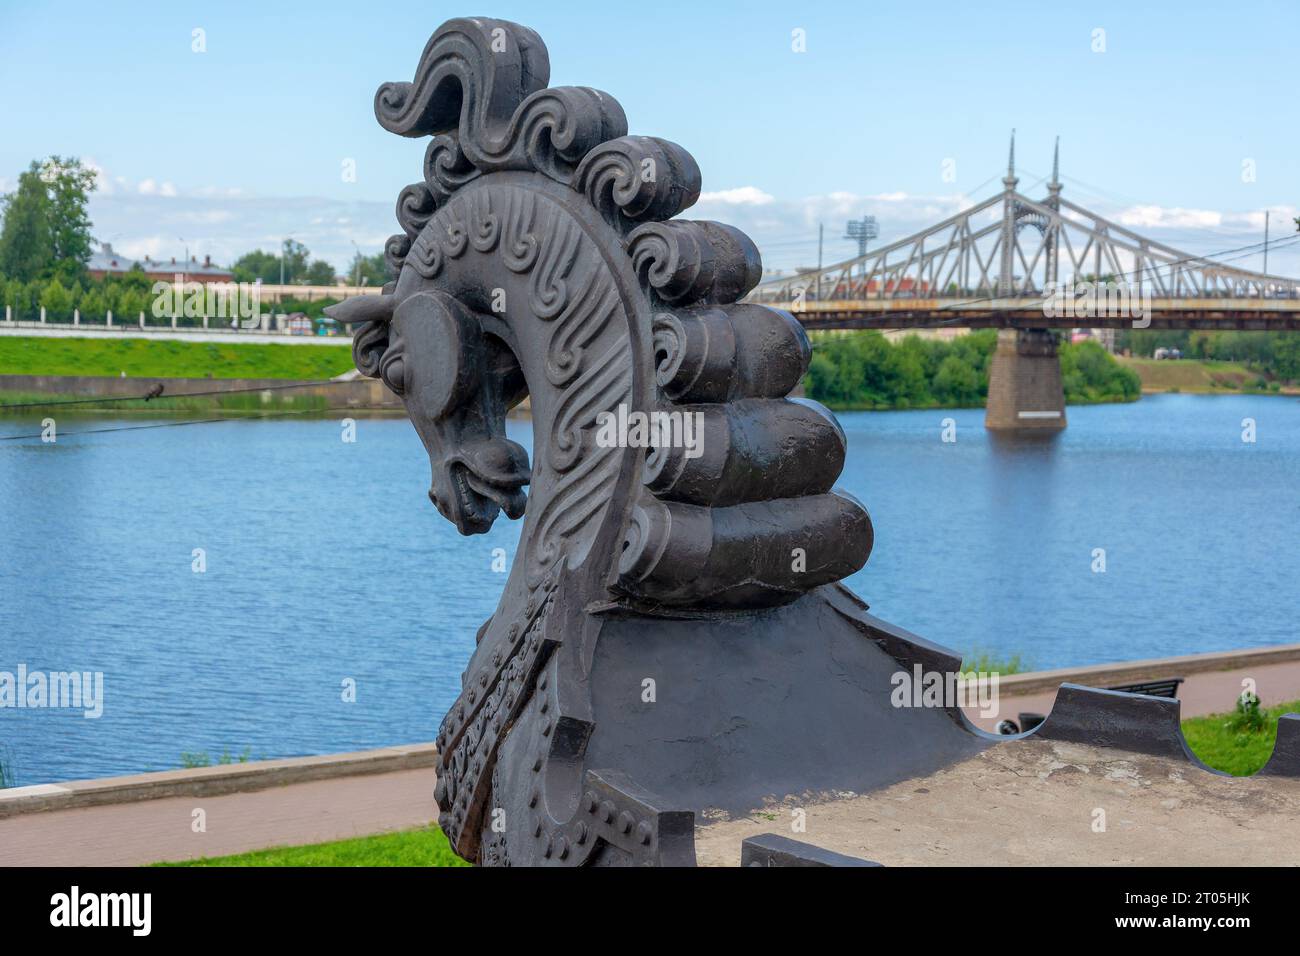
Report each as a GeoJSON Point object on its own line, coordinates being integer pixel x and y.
{"type": "Point", "coordinates": [1028, 266]}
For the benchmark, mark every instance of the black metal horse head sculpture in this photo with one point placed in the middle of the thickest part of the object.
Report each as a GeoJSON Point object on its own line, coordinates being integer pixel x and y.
{"type": "Point", "coordinates": [670, 638]}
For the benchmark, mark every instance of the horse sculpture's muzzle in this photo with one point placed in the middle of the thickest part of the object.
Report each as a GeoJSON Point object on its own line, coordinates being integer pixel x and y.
{"type": "Point", "coordinates": [476, 482]}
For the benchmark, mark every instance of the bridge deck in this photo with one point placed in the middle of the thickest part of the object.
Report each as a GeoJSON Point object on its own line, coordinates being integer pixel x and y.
{"type": "Point", "coordinates": [1246, 314]}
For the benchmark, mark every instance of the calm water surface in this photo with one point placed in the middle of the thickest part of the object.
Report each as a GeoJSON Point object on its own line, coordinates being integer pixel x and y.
{"type": "Point", "coordinates": [327, 564]}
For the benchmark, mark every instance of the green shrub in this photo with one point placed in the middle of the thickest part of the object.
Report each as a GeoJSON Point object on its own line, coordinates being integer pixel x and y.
{"type": "Point", "coordinates": [1248, 717]}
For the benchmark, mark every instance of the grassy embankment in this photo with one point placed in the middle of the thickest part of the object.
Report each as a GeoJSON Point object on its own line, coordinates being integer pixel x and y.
{"type": "Point", "coordinates": [147, 358]}
{"type": "Point", "coordinates": [1204, 377]}
{"type": "Point", "coordinates": [1219, 740]}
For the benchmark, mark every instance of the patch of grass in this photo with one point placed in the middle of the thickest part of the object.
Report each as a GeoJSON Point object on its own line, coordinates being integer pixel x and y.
{"type": "Point", "coordinates": [426, 846]}
{"type": "Point", "coordinates": [1226, 741]}
{"type": "Point", "coordinates": [988, 664]}
{"type": "Point", "coordinates": [1199, 376]}
{"type": "Point", "coordinates": [7, 776]}
{"type": "Point", "coordinates": [22, 355]}
{"type": "Point", "coordinates": [191, 759]}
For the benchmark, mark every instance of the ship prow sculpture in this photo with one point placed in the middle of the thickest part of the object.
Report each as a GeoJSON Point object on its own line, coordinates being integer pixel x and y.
{"type": "Point", "coordinates": [671, 638]}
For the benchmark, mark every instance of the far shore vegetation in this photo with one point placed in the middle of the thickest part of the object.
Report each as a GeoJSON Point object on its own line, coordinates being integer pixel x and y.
{"type": "Point", "coordinates": [854, 371]}
{"type": "Point", "coordinates": [865, 370]}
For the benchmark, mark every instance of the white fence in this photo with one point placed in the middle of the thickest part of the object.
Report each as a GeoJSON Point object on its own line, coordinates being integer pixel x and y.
{"type": "Point", "coordinates": [274, 328]}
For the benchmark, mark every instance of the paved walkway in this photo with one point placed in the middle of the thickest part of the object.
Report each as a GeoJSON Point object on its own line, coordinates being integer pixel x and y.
{"type": "Point", "coordinates": [150, 831]}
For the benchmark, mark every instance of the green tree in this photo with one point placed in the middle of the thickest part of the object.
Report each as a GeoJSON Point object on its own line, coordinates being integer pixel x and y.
{"type": "Point", "coordinates": [26, 243]}
{"type": "Point", "coordinates": [257, 265]}
{"type": "Point", "coordinates": [46, 225]}
{"type": "Point", "coordinates": [370, 270]}
{"type": "Point", "coordinates": [294, 255]}
{"type": "Point", "coordinates": [130, 303]}
{"type": "Point", "coordinates": [27, 299]}
{"type": "Point", "coordinates": [57, 301]}
{"type": "Point", "coordinates": [958, 383]}
{"type": "Point", "coordinates": [319, 272]}
{"type": "Point", "coordinates": [93, 305]}
{"type": "Point", "coordinates": [69, 185]}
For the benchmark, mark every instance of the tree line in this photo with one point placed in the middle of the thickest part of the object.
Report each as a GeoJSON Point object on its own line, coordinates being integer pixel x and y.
{"type": "Point", "coordinates": [46, 243]}
{"type": "Point", "coordinates": [865, 370]}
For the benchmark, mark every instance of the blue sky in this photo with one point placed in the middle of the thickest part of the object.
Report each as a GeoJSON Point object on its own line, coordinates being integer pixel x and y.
{"type": "Point", "coordinates": [232, 148]}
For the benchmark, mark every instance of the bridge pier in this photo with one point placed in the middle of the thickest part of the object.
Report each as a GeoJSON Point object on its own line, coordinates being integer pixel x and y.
{"type": "Point", "coordinates": [1025, 391]}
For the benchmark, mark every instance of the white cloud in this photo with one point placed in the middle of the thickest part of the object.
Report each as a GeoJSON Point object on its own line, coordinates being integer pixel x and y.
{"type": "Point", "coordinates": [149, 187]}
{"type": "Point", "coordinates": [1157, 217]}
{"type": "Point", "coordinates": [102, 182]}
{"type": "Point", "coordinates": [219, 192]}
{"type": "Point", "coordinates": [740, 196]}
{"type": "Point", "coordinates": [152, 246]}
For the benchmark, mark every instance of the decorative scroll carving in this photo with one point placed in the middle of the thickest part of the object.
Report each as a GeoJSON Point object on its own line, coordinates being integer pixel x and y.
{"type": "Point", "coordinates": [414, 207]}
{"type": "Point", "coordinates": [686, 261]}
{"type": "Point", "coordinates": [395, 250]}
{"type": "Point", "coordinates": [368, 347]}
{"type": "Point", "coordinates": [638, 178]}
{"type": "Point", "coordinates": [485, 80]}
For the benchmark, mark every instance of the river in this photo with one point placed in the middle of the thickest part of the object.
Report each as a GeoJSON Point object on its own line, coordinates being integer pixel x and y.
{"type": "Point", "coordinates": [324, 567]}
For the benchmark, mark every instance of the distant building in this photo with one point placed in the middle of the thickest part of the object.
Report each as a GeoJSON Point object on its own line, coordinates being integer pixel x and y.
{"type": "Point", "coordinates": [106, 262]}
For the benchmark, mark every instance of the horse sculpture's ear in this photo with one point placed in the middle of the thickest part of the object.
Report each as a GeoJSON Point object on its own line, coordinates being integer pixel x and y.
{"type": "Point", "coordinates": [362, 308]}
